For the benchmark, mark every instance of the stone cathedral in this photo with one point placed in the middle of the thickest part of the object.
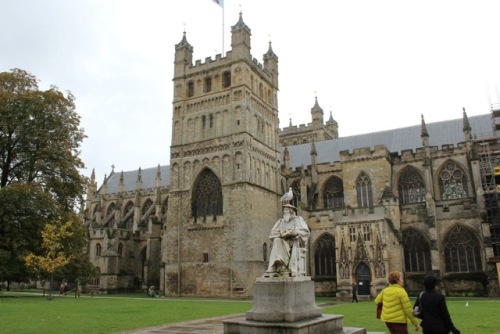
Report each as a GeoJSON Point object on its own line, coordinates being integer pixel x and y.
{"type": "Point", "coordinates": [420, 200]}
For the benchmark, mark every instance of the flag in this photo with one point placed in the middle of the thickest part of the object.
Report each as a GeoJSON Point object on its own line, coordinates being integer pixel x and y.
{"type": "Point", "coordinates": [219, 2]}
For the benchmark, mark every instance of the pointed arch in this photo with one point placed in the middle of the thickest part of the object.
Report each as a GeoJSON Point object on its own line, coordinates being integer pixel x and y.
{"type": "Point", "coordinates": [411, 186]}
{"type": "Point", "coordinates": [344, 261]}
{"type": "Point", "coordinates": [146, 206]}
{"type": "Point", "coordinates": [333, 193]}
{"type": "Point", "coordinates": [324, 257]}
{"type": "Point", "coordinates": [98, 249]}
{"type": "Point", "coordinates": [462, 252]}
{"type": "Point", "coordinates": [452, 181]}
{"type": "Point", "coordinates": [364, 191]}
{"type": "Point", "coordinates": [206, 198]}
{"type": "Point", "coordinates": [417, 251]}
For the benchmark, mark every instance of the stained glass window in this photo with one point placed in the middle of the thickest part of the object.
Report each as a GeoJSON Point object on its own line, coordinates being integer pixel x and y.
{"type": "Point", "coordinates": [461, 250]}
{"type": "Point", "coordinates": [411, 187]}
{"type": "Point", "coordinates": [333, 196]}
{"type": "Point", "coordinates": [452, 182]}
{"type": "Point", "coordinates": [207, 196]}
{"type": "Point", "coordinates": [417, 251]}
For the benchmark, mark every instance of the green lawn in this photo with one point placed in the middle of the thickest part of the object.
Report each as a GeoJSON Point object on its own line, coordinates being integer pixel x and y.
{"type": "Point", "coordinates": [481, 316]}
{"type": "Point", "coordinates": [27, 313]}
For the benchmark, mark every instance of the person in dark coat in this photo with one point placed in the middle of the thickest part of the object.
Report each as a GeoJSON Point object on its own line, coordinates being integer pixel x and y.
{"type": "Point", "coordinates": [435, 316]}
{"type": "Point", "coordinates": [354, 292]}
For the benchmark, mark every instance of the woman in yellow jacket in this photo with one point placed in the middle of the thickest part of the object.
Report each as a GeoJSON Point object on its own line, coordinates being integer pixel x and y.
{"type": "Point", "coordinates": [396, 306]}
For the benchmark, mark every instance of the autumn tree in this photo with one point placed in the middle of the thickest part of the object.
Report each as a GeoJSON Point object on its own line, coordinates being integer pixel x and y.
{"type": "Point", "coordinates": [40, 139]}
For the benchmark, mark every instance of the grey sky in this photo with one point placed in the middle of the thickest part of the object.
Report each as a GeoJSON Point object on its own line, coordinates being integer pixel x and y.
{"type": "Point", "coordinates": [375, 64]}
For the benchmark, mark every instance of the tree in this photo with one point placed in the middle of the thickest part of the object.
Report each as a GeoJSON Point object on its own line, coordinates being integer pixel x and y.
{"type": "Point", "coordinates": [24, 210]}
{"type": "Point", "coordinates": [39, 137]}
{"type": "Point", "coordinates": [40, 161]}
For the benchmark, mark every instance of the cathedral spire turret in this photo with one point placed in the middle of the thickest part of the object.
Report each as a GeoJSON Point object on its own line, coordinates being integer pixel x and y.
{"type": "Point", "coordinates": [271, 64]}
{"type": "Point", "coordinates": [183, 56]}
{"type": "Point", "coordinates": [317, 115]}
{"type": "Point", "coordinates": [240, 40]}
{"type": "Point", "coordinates": [423, 132]}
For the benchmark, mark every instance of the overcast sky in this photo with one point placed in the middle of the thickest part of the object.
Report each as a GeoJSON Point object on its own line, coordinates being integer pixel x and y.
{"type": "Point", "coordinates": [376, 65]}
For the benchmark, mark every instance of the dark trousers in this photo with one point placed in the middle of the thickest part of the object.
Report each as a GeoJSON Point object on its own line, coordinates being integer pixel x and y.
{"type": "Point", "coordinates": [397, 328]}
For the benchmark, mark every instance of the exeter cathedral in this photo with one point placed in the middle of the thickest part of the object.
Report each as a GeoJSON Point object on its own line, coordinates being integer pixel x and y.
{"type": "Point", "coordinates": [420, 200]}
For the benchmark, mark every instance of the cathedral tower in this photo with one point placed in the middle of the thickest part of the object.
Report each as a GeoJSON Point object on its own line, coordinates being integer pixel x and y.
{"type": "Point", "coordinates": [225, 170]}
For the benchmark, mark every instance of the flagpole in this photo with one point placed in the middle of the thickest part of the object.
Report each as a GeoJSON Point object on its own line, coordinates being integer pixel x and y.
{"type": "Point", "coordinates": [222, 31]}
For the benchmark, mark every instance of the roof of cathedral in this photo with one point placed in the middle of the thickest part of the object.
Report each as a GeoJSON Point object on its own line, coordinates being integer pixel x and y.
{"type": "Point", "coordinates": [148, 177]}
{"type": "Point", "coordinates": [449, 132]}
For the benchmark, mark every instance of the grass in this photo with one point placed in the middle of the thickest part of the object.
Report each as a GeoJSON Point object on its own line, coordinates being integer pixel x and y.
{"type": "Point", "coordinates": [33, 313]}
{"type": "Point", "coordinates": [476, 318]}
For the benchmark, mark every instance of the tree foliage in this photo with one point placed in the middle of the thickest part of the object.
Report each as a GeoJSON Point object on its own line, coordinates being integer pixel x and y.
{"type": "Point", "coordinates": [39, 137]}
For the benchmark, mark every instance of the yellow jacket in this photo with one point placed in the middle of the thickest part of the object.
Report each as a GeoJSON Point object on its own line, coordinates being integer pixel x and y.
{"type": "Point", "coordinates": [396, 306]}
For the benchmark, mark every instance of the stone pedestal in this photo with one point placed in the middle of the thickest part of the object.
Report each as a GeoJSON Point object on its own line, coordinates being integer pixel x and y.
{"type": "Point", "coordinates": [286, 305]}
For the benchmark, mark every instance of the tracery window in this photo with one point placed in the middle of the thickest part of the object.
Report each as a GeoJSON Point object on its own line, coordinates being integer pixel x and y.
{"type": "Point", "coordinates": [461, 250]}
{"type": "Point", "coordinates": [333, 196]}
{"type": "Point", "coordinates": [324, 256]}
{"type": "Point", "coordinates": [96, 279]}
{"type": "Point", "coordinates": [128, 214]}
{"type": "Point", "coordinates": [411, 187]}
{"type": "Point", "coordinates": [452, 182]}
{"type": "Point", "coordinates": [364, 191]}
{"type": "Point", "coordinates": [417, 251]}
{"type": "Point", "coordinates": [207, 196]}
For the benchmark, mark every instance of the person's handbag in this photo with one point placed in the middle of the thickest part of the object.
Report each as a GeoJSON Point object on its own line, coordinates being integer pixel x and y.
{"type": "Point", "coordinates": [417, 310]}
{"type": "Point", "coordinates": [379, 310]}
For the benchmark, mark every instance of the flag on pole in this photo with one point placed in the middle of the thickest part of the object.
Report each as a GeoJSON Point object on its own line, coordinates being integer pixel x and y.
{"type": "Point", "coordinates": [219, 2]}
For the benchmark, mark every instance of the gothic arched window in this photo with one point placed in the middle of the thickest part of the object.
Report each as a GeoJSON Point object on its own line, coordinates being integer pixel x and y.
{"type": "Point", "coordinates": [417, 251]}
{"type": "Point", "coordinates": [324, 257]}
{"type": "Point", "coordinates": [333, 196]}
{"type": "Point", "coordinates": [364, 191]}
{"type": "Point", "coordinates": [128, 215]}
{"type": "Point", "coordinates": [461, 250]}
{"type": "Point", "coordinates": [148, 204]}
{"type": "Point", "coordinates": [452, 182]}
{"type": "Point", "coordinates": [411, 187]}
{"type": "Point", "coordinates": [207, 196]}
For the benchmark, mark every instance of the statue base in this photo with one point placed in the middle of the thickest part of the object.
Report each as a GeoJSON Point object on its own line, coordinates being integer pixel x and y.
{"type": "Point", "coordinates": [283, 299]}
{"type": "Point", "coordinates": [286, 305]}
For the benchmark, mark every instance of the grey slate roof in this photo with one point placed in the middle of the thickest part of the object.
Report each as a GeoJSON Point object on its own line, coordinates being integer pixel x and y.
{"type": "Point", "coordinates": [449, 132]}
{"type": "Point", "coordinates": [408, 138]}
{"type": "Point", "coordinates": [148, 177]}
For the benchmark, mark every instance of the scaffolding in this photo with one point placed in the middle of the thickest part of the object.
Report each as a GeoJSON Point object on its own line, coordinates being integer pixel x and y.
{"type": "Point", "coordinates": [488, 148]}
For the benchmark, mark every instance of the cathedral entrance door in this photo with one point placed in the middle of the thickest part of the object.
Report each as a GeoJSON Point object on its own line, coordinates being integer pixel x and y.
{"type": "Point", "coordinates": [363, 278]}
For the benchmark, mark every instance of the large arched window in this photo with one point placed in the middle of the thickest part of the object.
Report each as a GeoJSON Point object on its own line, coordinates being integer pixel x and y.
{"type": "Point", "coordinates": [411, 187]}
{"type": "Point", "coordinates": [324, 257]}
{"type": "Point", "coordinates": [461, 250]}
{"type": "Point", "coordinates": [207, 196]}
{"type": "Point", "coordinates": [333, 195]}
{"type": "Point", "coordinates": [417, 251]}
{"type": "Point", "coordinates": [110, 212]}
{"type": "Point", "coordinates": [452, 182]}
{"type": "Point", "coordinates": [364, 191]}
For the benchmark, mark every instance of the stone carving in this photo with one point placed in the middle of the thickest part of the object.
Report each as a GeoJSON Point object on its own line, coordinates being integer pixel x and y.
{"type": "Point", "coordinates": [289, 238]}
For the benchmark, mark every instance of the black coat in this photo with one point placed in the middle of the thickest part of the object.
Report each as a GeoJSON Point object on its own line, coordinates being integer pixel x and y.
{"type": "Point", "coordinates": [435, 316]}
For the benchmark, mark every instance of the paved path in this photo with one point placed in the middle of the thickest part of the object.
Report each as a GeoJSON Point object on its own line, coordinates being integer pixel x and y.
{"type": "Point", "coordinates": [201, 326]}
